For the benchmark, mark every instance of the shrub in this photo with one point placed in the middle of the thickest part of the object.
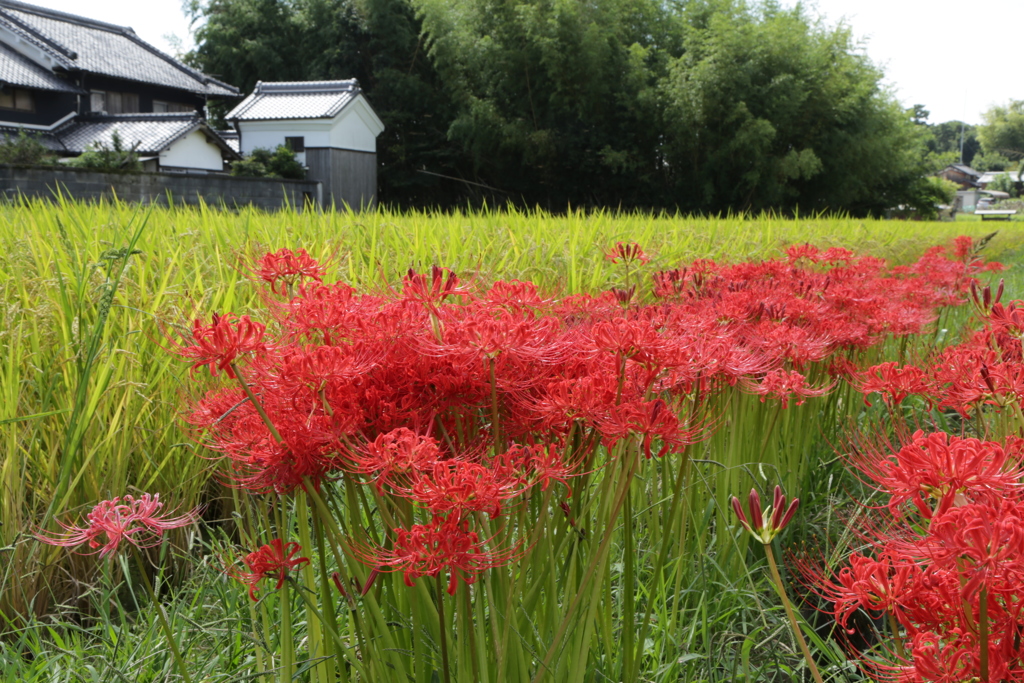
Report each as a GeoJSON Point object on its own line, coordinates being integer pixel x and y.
{"type": "Point", "coordinates": [263, 163]}
{"type": "Point", "coordinates": [25, 150]}
{"type": "Point", "coordinates": [115, 158]}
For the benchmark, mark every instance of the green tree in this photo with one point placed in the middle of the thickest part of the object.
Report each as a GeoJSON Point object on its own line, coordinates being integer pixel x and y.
{"type": "Point", "coordinates": [945, 141]}
{"type": "Point", "coordinates": [557, 100]}
{"type": "Point", "coordinates": [1003, 132]}
{"type": "Point", "coordinates": [703, 105]}
{"type": "Point", "coordinates": [769, 110]}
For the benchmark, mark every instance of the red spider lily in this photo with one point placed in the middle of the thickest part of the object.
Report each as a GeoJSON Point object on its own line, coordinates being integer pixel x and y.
{"type": "Point", "coordinates": [546, 464]}
{"type": "Point", "coordinates": [1009, 317]}
{"type": "Point", "coordinates": [778, 515]}
{"type": "Point", "coordinates": [983, 543]}
{"type": "Point", "coordinates": [892, 382]}
{"type": "Point", "coordinates": [444, 545]}
{"type": "Point", "coordinates": [393, 458]}
{"type": "Point", "coordinates": [886, 584]}
{"type": "Point", "coordinates": [121, 520]}
{"type": "Point", "coordinates": [650, 420]}
{"type": "Point", "coordinates": [626, 252]}
{"type": "Point", "coordinates": [284, 268]}
{"type": "Point", "coordinates": [782, 384]}
{"type": "Point", "coordinates": [442, 283]}
{"type": "Point", "coordinates": [454, 486]}
{"type": "Point", "coordinates": [942, 467]}
{"type": "Point", "coordinates": [270, 561]}
{"type": "Point", "coordinates": [803, 251]}
{"type": "Point", "coordinates": [222, 342]}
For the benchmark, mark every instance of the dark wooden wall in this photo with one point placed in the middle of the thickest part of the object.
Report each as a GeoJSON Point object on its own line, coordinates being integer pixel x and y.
{"type": "Point", "coordinates": [348, 177]}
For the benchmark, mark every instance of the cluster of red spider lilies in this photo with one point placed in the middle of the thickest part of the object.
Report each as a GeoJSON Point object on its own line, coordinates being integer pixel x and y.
{"type": "Point", "coordinates": [944, 562]}
{"type": "Point", "coordinates": [450, 403]}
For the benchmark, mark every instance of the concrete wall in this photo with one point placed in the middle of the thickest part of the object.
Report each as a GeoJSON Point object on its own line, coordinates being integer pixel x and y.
{"type": "Point", "coordinates": [348, 177]}
{"type": "Point", "coordinates": [149, 188]}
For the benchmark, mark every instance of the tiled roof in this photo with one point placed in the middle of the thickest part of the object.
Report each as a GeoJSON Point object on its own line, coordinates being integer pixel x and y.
{"type": "Point", "coordinates": [966, 170]}
{"type": "Point", "coordinates": [16, 69]}
{"type": "Point", "coordinates": [295, 100]}
{"type": "Point", "coordinates": [77, 43]}
{"type": "Point", "coordinates": [48, 139]}
{"type": "Point", "coordinates": [152, 132]}
{"type": "Point", "coordinates": [231, 138]}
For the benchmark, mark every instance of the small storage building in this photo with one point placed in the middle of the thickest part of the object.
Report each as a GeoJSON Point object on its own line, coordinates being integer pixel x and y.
{"type": "Point", "coordinates": [328, 124]}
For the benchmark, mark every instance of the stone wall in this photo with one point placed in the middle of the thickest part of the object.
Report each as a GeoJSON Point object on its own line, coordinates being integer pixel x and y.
{"type": "Point", "coordinates": [160, 188]}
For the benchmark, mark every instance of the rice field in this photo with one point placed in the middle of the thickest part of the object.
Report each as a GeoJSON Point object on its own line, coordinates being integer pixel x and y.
{"type": "Point", "coordinates": [92, 399]}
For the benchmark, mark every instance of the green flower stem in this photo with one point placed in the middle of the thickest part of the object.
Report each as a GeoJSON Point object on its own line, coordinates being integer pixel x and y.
{"type": "Point", "coordinates": [894, 626]}
{"type": "Point", "coordinates": [317, 645]}
{"type": "Point", "coordinates": [444, 628]}
{"type": "Point", "coordinates": [257, 405]}
{"type": "Point", "coordinates": [342, 649]}
{"type": "Point", "coordinates": [789, 613]}
{"type": "Point", "coordinates": [983, 633]}
{"type": "Point", "coordinates": [287, 644]}
{"type": "Point", "coordinates": [538, 529]}
{"type": "Point", "coordinates": [178, 660]}
{"type": "Point", "coordinates": [330, 617]}
{"type": "Point", "coordinates": [667, 537]}
{"type": "Point", "coordinates": [335, 535]}
{"type": "Point", "coordinates": [628, 586]}
{"type": "Point", "coordinates": [620, 498]}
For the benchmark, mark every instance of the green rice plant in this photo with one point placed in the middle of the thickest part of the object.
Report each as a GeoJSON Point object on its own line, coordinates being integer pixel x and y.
{"type": "Point", "coordinates": [91, 407]}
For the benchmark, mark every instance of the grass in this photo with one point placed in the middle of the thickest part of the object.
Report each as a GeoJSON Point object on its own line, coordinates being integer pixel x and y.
{"type": "Point", "coordinates": [91, 399]}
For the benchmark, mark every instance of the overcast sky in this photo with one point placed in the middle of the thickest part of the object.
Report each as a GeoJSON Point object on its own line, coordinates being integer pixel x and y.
{"type": "Point", "coordinates": [956, 59]}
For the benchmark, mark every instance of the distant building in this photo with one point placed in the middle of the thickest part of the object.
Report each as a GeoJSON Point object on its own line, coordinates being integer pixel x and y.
{"type": "Point", "coordinates": [964, 176]}
{"type": "Point", "coordinates": [990, 176]}
{"type": "Point", "coordinates": [72, 80]}
{"type": "Point", "coordinates": [328, 124]}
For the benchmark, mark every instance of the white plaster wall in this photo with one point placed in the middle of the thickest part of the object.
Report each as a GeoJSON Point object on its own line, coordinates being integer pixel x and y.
{"type": "Point", "coordinates": [270, 134]}
{"type": "Point", "coordinates": [356, 127]}
{"type": "Point", "coordinates": [193, 151]}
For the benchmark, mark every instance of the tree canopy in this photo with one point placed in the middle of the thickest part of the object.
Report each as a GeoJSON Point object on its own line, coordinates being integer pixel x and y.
{"type": "Point", "coordinates": [697, 105]}
{"type": "Point", "coordinates": [1002, 134]}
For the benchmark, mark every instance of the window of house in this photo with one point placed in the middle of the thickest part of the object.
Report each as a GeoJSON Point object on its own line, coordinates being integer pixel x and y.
{"type": "Point", "coordinates": [296, 144]}
{"type": "Point", "coordinates": [161, 107]}
{"type": "Point", "coordinates": [113, 102]}
{"type": "Point", "coordinates": [17, 98]}
{"type": "Point", "coordinates": [129, 103]}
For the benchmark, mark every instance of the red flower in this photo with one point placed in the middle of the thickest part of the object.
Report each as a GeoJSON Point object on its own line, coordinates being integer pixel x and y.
{"type": "Point", "coordinates": [626, 252]}
{"type": "Point", "coordinates": [892, 382]}
{"type": "Point", "coordinates": [781, 384]}
{"type": "Point", "coordinates": [778, 515]}
{"type": "Point", "coordinates": [396, 456]}
{"type": "Point", "coordinates": [270, 561]}
{"type": "Point", "coordinates": [441, 284]}
{"type": "Point", "coordinates": [283, 268]}
{"type": "Point", "coordinates": [942, 467]}
{"type": "Point", "coordinates": [443, 545]}
{"type": "Point", "coordinates": [458, 486]}
{"type": "Point", "coordinates": [111, 522]}
{"type": "Point", "coordinates": [220, 343]}
{"type": "Point", "coordinates": [882, 585]}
